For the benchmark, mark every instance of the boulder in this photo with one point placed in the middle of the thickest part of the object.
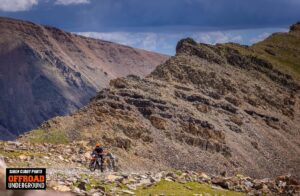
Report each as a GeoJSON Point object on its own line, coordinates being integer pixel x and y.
{"type": "Point", "coordinates": [113, 178]}
{"type": "Point", "coordinates": [203, 177]}
{"type": "Point", "coordinates": [62, 188]}
{"type": "Point", "coordinates": [81, 186]}
{"type": "Point", "coordinates": [14, 143]}
{"type": "Point", "coordinates": [128, 192]}
{"type": "Point", "coordinates": [23, 157]}
{"type": "Point", "coordinates": [61, 158]}
{"type": "Point", "coordinates": [222, 182]}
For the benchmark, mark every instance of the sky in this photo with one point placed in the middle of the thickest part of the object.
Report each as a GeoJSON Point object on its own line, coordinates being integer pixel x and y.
{"type": "Point", "coordinates": [157, 25]}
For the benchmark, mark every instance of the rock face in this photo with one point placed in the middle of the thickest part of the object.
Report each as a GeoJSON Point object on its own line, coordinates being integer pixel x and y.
{"type": "Point", "coordinates": [209, 108]}
{"type": "Point", "coordinates": [45, 72]}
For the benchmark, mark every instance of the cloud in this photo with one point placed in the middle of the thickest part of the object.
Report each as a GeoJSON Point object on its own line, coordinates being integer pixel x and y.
{"type": "Point", "coordinates": [163, 42]}
{"type": "Point", "coordinates": [70, 2]}
{"type": "Point", "coordinates": [16, 5]}
{"type": "Point", "coordinates": [260, 37]}
{"type": "Point", "coordinates": [25, 5]}
{"type": "Point", "coordinates": [236, 14]}
{"type": "Point", "coordinates": [129, 15]}
{"type": "Point", "coordinates": [146, 40]}
{"type": "Point", "coordinates": [216, 37]}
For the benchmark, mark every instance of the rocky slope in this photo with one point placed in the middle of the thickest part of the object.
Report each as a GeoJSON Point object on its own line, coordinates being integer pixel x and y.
{"type": "Point", "coordinates": [218, 109]}
{"type": "Point", "coordinates": [45, 72]}
{"type": "Point", "coordinates": [67, 172]}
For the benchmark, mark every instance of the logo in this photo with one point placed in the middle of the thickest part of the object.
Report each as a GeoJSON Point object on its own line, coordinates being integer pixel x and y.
{"type": "Point", "coordinates": [26, 178]}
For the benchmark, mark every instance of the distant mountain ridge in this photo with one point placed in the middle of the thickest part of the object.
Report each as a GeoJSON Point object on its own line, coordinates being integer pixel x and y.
{"type": "Point", "coordinates": [45, 72]}
{"type": "Point", "coordinates": [214, 108]}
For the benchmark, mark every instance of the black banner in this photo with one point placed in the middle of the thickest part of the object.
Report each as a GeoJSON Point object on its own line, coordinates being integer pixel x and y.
{"type": "Point", "coordinates": [25, 178]}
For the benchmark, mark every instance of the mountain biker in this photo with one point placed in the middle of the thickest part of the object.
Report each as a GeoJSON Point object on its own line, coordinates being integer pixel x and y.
{"type": "Point", "coordinates": [102, 152]}
{"type": "Point", "coordinates": [99, 153]}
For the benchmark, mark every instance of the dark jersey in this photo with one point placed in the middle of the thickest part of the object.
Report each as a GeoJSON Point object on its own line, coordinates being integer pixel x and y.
{"type": "Point", "coordinates": [99, 150]}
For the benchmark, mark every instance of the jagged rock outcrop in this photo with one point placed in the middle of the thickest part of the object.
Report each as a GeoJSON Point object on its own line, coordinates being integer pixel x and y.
{"type": "Point", "coordinates": [46, 72]}
{"type": "Point", "coordinates": [210, 108]}
{"type": "Point", "coordinates": [295, 27]}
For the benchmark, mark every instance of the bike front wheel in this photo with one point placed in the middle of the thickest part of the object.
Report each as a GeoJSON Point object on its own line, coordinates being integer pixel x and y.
{"type": "Point", "coordinates": [92, 166]}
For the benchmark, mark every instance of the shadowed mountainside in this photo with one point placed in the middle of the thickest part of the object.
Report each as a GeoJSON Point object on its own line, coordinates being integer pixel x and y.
{"type": "Point", "coordinates": [46, 72]}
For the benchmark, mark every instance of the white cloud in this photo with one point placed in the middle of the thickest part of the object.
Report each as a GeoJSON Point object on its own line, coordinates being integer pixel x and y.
{"type": "Point", "coordinates": [16, 5]}
{"type": "Point", "coordinates": [216, 37]}
{"type": "Point", "coordinates": [24, 5]}
{"type": "Point", "coordinates": [259, 38]}
{"type": "Point", "coordinates": [69, 2]}
{"type": "Point", "coordinates": [161, 42]}
{"type": "Point", "coordinates": [148, 40]}
{"type": "Point", "coordinates": [165, 41]}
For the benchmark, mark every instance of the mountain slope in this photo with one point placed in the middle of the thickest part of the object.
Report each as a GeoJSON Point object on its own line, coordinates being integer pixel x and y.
{"type": "Point", "coordinates": [280, 49]}
{"type": "Point", "coordinates": [210, 108]}
{"type": "Point", "coordinates": [45, 72]}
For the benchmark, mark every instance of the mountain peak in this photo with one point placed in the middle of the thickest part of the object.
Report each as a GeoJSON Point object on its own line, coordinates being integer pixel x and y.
{"type": "Point", "coordinates": [182, 43]}
{"type": "Point", "coordinates": [295, 27]}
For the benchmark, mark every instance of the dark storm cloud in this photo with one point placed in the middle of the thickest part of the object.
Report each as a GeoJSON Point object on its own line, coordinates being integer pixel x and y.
{"type": "Point", "coordinates": [215, 13]}
{"type": "Point", "coordinates": [117, 15]}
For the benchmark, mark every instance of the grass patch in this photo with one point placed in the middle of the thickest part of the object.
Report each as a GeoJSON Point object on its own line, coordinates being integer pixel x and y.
{"type": "Point", "coordinates": [42, 136]}
{"type": "Point", "coordinates": [93, 183]}
{"type": "Point", "coordinates": [284, 54]}
{"type": "Point", "coordinates": [175, 188]}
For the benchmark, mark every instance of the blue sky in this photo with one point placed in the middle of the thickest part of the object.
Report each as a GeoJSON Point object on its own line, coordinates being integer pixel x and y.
{"type": "Point", "coordinates": [157, 25]}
